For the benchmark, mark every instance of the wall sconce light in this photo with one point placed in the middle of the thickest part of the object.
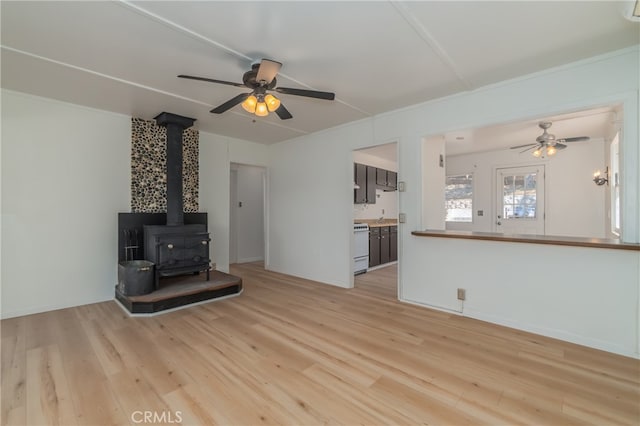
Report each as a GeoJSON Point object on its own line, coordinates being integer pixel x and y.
{"type": "Point", "coordinates": [599, 179]}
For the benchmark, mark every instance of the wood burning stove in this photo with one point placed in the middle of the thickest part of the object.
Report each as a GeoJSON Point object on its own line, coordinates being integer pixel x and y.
{"type": "Point", "coordinates": [175, 244]}
{"type": "Point", "coordinates": [177, 250]}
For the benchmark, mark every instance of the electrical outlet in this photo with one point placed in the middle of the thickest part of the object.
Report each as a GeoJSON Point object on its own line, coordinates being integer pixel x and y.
{"type": "Point", "coordinates": [213, 266]}
{"type": "Point", "coordinates": [462, 294]}
{"type": "Point", "coordinates": [402, 218]}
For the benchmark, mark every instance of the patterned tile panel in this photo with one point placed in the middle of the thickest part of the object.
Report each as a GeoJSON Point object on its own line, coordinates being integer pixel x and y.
{"type": "Point", "coordinates": [149, 167]}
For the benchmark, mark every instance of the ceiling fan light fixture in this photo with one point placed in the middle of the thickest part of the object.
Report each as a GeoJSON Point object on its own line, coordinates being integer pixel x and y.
{"type": "Point", "coordinates": [259, 79]}
{"type": "Point", "coordinates": [272, 102]}
{"type": "Point", "coordinates": [261, 109]}
{"type": "Point", "coordinates": [551, 150]}
{"type": "Point", "coordinates": [537, 153]}
{"type": "Point", "coordinates": [250, 104]}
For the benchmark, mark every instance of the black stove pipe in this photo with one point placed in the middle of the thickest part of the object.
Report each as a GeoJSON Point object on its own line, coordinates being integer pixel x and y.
{"type": "Point", "coordinates": [175, 125]}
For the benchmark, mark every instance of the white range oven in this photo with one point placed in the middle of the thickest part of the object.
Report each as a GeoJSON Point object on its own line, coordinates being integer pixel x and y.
{"type": "Point", "coordinates": [361, 248]}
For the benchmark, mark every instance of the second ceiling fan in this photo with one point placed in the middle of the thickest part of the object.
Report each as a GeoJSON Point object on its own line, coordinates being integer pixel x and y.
{"type": "Point", "coordinates": [261, 79]}
{"type": "Point", "coordinates": [547, 143]}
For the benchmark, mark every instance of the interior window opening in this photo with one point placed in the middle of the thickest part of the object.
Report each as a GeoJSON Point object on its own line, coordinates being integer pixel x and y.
{"type": "Point", "coordinates": [459, 198]}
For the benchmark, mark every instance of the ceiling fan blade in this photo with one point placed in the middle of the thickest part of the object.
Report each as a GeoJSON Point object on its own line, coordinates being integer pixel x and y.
{"type": "Point", "coordinates": [576, 139]}
{"type": "Point", "coordinates": [560, 145]}
{"type": "Point", "coordinates": [283, 113]}
{"type": "Point", "coordinates": [308, 93]}
{"type": "Point", "coordinates": [522, 146]}
{"type": "Point", "coordinates": [268, 70]}
{"type": "Point", "coordinates": [211, 80]}
{"type": "Point", "coordinates": [528, 149]}
{"type": "Point", "coordinates": [230, 103]}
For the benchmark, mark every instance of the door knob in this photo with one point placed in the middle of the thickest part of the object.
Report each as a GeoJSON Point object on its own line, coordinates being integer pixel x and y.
{"type": "Point", "coordinates": [498, 223]}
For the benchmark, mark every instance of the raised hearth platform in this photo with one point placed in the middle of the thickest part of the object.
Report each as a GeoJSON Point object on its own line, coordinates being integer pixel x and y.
{"type": "Point", "coordinates": [180, 291]}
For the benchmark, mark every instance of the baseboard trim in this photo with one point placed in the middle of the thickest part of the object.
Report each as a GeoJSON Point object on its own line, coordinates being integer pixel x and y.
{"type": "Point", "coordinates": [47, 308]}
{"type": "Point", "coordinates": [250, 259]}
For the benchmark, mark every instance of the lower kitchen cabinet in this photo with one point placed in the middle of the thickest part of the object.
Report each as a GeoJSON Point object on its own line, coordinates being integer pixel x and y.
{"type": "Point", "coordinates": [393, 243]}
{"type": "Point", "coordinates": [374, 247]}
{"type": "Point", "coordinates": [383, 245]}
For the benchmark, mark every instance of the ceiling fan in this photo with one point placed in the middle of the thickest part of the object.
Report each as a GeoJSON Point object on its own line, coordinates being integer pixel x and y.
{"type": "Point", "coordinates": [547, 142]}
{"type": "Point", "coordinates": [261, 79]}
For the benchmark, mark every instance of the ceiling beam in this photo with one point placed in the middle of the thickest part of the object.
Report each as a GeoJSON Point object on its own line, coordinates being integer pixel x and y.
{"type": "Point", "coordinates": [426, 36]}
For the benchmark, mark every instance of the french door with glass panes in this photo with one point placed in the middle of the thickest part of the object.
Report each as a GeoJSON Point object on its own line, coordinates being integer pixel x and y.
{"type": "Point", "coordinates": [520, 200]}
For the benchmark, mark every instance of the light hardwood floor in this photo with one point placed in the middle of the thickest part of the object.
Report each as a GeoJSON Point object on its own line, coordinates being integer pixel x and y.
{"type": "Point", "coordinates": [293, 352]}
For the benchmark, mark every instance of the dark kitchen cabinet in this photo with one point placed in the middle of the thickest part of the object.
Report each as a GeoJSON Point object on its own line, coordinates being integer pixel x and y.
{"type": "Point", "coordinates": [374, 247]}
{"type": "Point", "coordinates": [371, 185]}
{"type": "Point", "coordinates": [386, 180]}
{"type": "Point", "coordinates": [383, 245]}
{"type": "Point", "coordinates": [360, 179]}
{"type": "Point", "coordinates": [365, 178]}
{"type": "Point", "coordinates": [393, 243]}
{"type": "Point", "coordinates": [381, 177]}
{"type": "Point", "coordinates": [392, 180]}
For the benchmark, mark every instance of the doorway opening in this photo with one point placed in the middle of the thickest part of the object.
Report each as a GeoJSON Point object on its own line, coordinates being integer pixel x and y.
{"type": "Point", "coordinates": [520, 200]}
{"type": "Point", "coordinates": [375, 239]}
{"type": "Point", "coordinates": [247, 214]}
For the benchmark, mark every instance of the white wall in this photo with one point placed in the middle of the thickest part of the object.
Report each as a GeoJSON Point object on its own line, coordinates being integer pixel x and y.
{"type": "Point", "coordinates": [311, 204]}
{"type": "Point", "coordinates": [614, 129]}
{"type": "Point", "coordinates": [583, 295]}
{"type": "Point", "coordinates": [386, 202]}
{"type": "Point", "coordinates": [574, 206]}
{"type": "Point", "coordinates": [598, 313]}
{"type": "Point", "coordinates": [216, 155]}
{"type": "Point", "coordinates": [433, 183]}
{"type": "Point", "coordinates": [65, 177]}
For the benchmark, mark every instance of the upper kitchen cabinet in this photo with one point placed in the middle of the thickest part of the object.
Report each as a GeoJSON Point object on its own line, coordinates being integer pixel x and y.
{"type": "Point", "coordinates": [386, 180]}
{"type": "Point", "coordinates": [365, 181]}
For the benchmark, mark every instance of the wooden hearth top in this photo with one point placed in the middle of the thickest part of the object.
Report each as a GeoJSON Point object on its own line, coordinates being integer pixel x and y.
{"type": "Point", "coordinates": [184, 285]}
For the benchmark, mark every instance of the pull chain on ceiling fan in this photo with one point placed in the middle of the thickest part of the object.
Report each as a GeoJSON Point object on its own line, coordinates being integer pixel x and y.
{"type": "Point", "coordinates": [547, 143]}
{"type": "Point", "coordinates": [261, 79]}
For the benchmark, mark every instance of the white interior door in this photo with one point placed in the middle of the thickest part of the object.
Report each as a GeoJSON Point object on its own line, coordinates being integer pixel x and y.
{"type": "Point", "coordinates": [520, 200]}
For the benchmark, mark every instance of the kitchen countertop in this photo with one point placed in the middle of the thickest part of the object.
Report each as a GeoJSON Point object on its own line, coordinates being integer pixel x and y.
{"type": "Point", "coordinates": [373, 223]}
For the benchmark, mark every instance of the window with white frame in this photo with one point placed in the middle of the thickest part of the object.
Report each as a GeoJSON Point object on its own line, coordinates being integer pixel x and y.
{"type": "Point", "coordinates": [459, 198]}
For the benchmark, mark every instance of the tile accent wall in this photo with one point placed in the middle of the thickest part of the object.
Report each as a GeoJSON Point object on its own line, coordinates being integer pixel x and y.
{"type": "Point", "coordinates": [149, 165]}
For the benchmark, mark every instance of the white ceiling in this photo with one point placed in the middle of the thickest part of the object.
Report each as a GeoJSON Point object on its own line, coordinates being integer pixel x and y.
{"type": "Point", "coordinates": [375, 55]}
{"type": "Point", "coordinates": [595, 123]}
